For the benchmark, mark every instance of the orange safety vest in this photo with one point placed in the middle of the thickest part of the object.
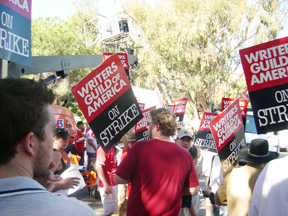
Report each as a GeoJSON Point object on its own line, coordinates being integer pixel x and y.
{"type": "Point", "coordinates": [91, 176]}
{"type": "Point", "coordinates": [75, 159]}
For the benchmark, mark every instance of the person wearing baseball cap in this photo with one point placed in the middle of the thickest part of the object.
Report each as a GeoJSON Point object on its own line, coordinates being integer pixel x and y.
{"type": "Point", "coordinates": [184, 138]}
{"type": "Point", "coordinates": [236, 189]}
{"type": "Point", "coordinates": [61, 132]}
{"type": "Point", "coordinates": [61, 137]}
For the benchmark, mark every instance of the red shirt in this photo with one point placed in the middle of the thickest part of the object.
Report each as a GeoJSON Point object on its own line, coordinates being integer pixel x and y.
{"type": "Point", "coordinates": [79, 145]}
{"type": "Point", "coordinates": [129, 184]}
{"type": "Point", "coordinates": [158, 170]}
{"type": "Point", "coordinates": [109, 165]}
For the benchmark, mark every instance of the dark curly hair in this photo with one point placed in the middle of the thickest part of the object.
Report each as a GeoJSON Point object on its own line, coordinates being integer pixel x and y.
{"type": "Point", "coordinates": [22, 110]}
{"type": "Point", "coordinates": [166, 120]}
{"type": "Point", "coordinates": [194, 152]}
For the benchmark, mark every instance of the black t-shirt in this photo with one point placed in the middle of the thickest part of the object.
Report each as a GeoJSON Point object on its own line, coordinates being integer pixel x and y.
{"type": "Point", "coordinates": [59, 172]}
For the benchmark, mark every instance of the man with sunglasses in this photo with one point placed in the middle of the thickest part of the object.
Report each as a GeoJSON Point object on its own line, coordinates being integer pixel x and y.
{"type": "Point", "coordinates": [156, 169]}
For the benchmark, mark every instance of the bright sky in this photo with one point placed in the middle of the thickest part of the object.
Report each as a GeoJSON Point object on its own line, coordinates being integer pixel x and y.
{"type": "Point", "coordinates": [64, 8]}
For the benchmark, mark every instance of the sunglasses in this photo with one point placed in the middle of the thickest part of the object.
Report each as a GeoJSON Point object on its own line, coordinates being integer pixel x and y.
{"type": "Point", "coordinates": [60, 130]}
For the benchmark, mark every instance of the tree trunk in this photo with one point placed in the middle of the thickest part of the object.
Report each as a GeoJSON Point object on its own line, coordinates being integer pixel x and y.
{"type": "Point", "coordinates": [164, 89]}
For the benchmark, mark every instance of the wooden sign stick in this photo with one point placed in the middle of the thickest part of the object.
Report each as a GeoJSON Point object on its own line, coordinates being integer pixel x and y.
{"type": "Point", "coordinates": [125, 142]}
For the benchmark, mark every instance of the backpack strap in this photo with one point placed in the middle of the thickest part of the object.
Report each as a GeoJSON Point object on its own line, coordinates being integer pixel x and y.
{"type": "Point", "coordinates": [211, 170]}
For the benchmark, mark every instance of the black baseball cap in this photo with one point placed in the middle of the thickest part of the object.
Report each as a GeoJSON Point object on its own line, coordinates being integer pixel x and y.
{"type": "Point", "coordinates": [79, 123]}
{"type": "Point", "coordinates": [61, 132]}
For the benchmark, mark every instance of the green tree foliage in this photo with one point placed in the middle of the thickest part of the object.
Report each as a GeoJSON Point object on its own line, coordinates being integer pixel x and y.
{"type": "Point", "coordinates": [191, 47]}
{"type": "Point", "coordinates": [53, 36]}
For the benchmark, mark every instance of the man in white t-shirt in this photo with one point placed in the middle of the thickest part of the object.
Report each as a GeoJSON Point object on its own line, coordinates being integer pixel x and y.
{"type": "Point", "coordinates": [205, 164]}
{"type": "Point", "coordinates": [91, 145]}
{"type": "Point", "coordinates": [271, 189]}
{"type": "Point", "coordinates": [216, 178]}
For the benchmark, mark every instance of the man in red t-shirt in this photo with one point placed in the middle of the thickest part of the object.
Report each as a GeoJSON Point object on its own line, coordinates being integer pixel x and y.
{"type": "Point", "coordinates": [106, 165]}
{"type": "Point", "coordinates": [80, 142]}
{"type": "Point", "coordinates": [158, 170]}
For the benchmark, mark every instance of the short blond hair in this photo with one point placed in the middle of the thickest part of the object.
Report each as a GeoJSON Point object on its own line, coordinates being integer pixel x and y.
{"type": "Point", "coordinates": [166, 120]}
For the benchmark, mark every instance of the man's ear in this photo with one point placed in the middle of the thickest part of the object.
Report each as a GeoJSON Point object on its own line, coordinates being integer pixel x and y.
{"type": "Point", "coordinates": [157, 127]}
{"type": "Point", "coordinates": [29, 143]}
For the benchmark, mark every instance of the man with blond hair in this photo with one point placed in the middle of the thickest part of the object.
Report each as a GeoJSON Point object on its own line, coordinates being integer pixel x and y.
{"type": "Point", "coordinates": [156, 170]}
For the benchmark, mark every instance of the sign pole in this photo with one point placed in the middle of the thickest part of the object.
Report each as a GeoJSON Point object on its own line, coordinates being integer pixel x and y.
{"type": "Point", "coordinates": [125, 142]}
{"type": "Point", "coordinates": [4, 68]}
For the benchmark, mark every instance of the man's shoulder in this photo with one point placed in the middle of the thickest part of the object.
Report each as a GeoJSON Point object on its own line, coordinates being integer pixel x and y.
{"type": "Point", "coordinates": [89, 136]}
{"type": "Point", "coordinates": [45, 203]}
{"type": "Point", "coordinates": [140, 143]}
{"type": "Point", "coordinates": [68, 204]}
{"type": "Point", "coordinates": [247, 168]}
{"type": "Point", "coordinates": [164, 146]}
{"type": "Point", "coordinates": [243, 173]}
{"type": "Point", "coordinates": [79, 132]}
{"type": "Point", "coordinates": [18, 190]}
{"type": "Point", "coordinates": [174, 147]}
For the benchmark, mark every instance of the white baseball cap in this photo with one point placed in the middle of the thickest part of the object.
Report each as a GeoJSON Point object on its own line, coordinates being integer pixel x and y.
{"type": "Point", "coordinates": [183, 133]}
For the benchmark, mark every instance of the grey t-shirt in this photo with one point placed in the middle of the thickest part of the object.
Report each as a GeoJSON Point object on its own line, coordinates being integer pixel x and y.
{"type": "Point", "coordinates": [24, 196]}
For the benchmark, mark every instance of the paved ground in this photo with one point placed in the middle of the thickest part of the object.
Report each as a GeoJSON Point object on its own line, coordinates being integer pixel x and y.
{"type": "Point", "coordinates": [96, 205]}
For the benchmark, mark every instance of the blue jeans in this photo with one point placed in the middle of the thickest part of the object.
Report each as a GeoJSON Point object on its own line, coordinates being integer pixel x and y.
{"type": "Point", "coordinates": [91, 155]}
{"type": "Point", "coordinates": [225, 210]}
{"type": "Point", "coordinates": [216, 210]}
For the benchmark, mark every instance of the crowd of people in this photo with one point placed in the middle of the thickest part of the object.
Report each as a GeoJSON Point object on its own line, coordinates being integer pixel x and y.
{"type": "Point", "coordinates": [152, 177]}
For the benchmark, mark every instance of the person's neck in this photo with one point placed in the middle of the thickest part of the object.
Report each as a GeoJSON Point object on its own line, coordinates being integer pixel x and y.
{"type": "Point", "coordinates": [261, 166]}
{"type": "Point", "coordinates": [63, 153]}
{"type": "Point", "coordinates": [162, 137]}
{"type": "Point", "coordinates": [13, 169]}
{"type": "Point", "coordinates": [59, 150]}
